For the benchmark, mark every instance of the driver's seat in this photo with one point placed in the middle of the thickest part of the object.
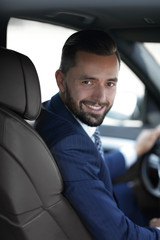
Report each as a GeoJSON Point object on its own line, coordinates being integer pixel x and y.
{"type": "Point", "coordinates": [32, 206]}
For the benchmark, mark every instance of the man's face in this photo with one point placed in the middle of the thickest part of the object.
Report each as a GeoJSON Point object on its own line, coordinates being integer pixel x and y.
{"type": "Point", "coordinates": [88, 89]}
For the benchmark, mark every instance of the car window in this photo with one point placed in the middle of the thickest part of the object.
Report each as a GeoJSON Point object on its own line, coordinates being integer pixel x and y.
{"type": "Point", "coordinates": [42, 42]}
{"type": "Point", "coordinates": [154, 49]}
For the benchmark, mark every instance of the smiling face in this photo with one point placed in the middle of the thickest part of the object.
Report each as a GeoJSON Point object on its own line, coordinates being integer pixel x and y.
{"type": "Point", "coordinates": [88, 89]}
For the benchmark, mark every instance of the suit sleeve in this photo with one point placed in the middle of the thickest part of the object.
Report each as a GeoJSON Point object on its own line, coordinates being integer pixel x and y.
{"type": "Point", "coordinates": [116, 163]}
{"type": "Point", "coordinates": [87, 186]}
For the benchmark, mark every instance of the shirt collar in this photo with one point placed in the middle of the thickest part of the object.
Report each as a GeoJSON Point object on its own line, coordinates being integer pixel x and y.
{"type": "Point", "coordinates": [89, 130]}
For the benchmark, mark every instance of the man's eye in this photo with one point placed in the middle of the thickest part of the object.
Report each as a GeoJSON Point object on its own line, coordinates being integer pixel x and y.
{"type": "Point", "coordinates": [87, 82]}
{"type": "Point", "coordinates": [110, 84]}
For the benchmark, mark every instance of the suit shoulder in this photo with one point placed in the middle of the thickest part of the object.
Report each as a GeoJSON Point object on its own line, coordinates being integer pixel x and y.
{"type": "Point", "coordinates": [53, 127]}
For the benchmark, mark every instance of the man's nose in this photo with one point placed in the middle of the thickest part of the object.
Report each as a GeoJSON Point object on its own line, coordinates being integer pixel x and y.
{"type": "Point", "coordinates": [100, 94]}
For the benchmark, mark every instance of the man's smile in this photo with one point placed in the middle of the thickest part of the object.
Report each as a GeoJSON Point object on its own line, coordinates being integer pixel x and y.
{"type": "Point", "coordinates": [93, 107]}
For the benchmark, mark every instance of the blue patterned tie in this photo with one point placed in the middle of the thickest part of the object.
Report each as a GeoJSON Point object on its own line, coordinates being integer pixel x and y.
{"type": "Point", "coordinates": [98, 142]}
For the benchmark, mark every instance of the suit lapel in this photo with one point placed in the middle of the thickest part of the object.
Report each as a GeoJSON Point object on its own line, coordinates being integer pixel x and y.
{"type": "Point", "coordinates": [56, 105]}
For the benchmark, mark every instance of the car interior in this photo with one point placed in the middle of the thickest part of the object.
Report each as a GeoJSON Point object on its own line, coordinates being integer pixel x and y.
{"type": "Point", "coordinates": [32, 205]}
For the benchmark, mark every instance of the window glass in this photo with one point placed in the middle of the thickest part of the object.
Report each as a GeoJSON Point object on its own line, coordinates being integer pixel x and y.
{"type": "Point", "coordinates": [154, 49]}
{"type": "Point", "coordinates": [42, 43]}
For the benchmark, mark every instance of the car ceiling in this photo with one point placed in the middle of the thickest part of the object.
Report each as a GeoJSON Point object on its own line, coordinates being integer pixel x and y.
{"type": "Point", "coordinates": [130, 19]}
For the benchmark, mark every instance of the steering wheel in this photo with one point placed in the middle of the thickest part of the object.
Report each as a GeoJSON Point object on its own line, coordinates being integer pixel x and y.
{"type": "Point", "coordinates": [150, 170]}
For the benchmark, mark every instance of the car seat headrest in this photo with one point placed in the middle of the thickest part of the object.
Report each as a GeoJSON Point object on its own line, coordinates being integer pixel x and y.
{"type": "Point", "coordinates": [19, 84]}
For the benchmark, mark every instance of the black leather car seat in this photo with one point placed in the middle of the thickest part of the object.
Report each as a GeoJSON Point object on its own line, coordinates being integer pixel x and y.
{"type": "Point", "coordinates": [32, 206]}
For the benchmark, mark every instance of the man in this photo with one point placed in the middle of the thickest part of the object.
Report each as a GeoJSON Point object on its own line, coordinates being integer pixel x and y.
{"type": "Point", "coordinates": [87, 81]}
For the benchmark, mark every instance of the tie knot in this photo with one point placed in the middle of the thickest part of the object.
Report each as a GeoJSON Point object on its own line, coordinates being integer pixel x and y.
{"type": "Point", "coordinates": [96, 133]}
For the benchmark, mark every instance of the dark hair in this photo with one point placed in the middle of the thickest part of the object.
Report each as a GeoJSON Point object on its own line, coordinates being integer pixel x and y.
{"type": "Point", "coordinates": [91, 41]}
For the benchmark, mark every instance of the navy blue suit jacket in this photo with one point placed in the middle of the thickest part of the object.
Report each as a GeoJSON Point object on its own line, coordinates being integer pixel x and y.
{"type": "Point", "coordinates": [86, 176]}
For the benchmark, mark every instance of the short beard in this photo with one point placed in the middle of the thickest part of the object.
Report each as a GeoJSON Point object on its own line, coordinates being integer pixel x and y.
{"type": "Point", "coordinates": [90, 119]}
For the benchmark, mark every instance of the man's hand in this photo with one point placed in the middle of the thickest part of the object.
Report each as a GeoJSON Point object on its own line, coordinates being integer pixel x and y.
{"type": "Point", "coordinates": [146, 140]}
{"type": "Point", "coordinates": [154, 222]}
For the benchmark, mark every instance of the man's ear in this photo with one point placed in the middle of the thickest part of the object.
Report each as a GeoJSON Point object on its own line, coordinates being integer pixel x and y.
{"type": "Point", "coordinates": [60, 80]}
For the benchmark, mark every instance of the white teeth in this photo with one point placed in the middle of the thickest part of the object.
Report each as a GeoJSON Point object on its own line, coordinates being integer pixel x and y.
{"type": "Point", "coordinates": [94, 107]}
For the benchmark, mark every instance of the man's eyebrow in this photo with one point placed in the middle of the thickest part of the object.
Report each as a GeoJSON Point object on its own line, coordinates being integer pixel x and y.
{"type": "Point", "coordinates": [113, 79]}
{"type": "Point", "coordinates": [84, 76]}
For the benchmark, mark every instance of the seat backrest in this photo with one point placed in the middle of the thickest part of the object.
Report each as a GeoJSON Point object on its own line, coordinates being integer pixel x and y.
{"type": "Point", "coordinates": [32, 206]}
